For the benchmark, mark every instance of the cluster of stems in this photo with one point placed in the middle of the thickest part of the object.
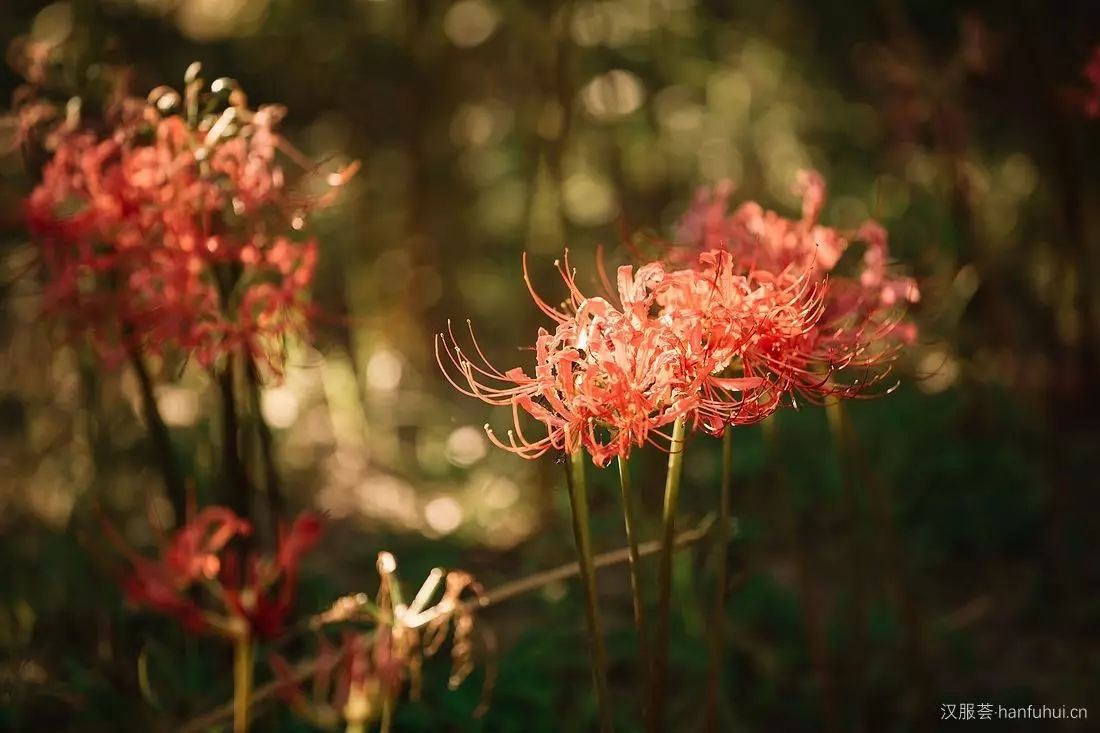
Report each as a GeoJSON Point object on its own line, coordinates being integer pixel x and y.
{"type": "Point", "coordinates": [653, 660]}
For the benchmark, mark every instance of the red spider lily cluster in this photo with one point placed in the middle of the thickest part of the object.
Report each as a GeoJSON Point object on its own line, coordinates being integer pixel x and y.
{"type": "Point", "coordinates": [360, 680]}
{"type": "Point", "coordinates": [198, 578]}
{"type": "Point", "coordinates": [744, 317]}
{"type": "Point", "coordinates": [765, 240]}
{"type": "Point", "coordinates": [173, 228]}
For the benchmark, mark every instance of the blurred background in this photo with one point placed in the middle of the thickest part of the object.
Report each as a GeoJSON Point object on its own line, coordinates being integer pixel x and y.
{"type": "Point", "coordinates": [948, 558]}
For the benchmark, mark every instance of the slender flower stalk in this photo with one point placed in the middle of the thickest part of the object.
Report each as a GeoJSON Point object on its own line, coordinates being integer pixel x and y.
{"type": "Point", "coordinates": [718, 617]}
{"type": "Point", "coordinates": [664, 579]}
{"type": "Point", "coordinates": [242, 681]}
{"type": "Point", "coordinates": [578, 501]}
{"type": "Point", "coordinates": [631, 523]}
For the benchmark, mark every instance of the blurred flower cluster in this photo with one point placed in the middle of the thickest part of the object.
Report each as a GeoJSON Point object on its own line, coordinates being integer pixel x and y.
{"type": "Point", "coordinates": [765, 240]}
{"type": "Point", "coordinates": [199, 580]}
{"type": "Point", "coordinates": [719, 331]}
{"type": "Point", "coordinates": [1090, 101]}
{"type": "Point", "coordinates": [169, 227]}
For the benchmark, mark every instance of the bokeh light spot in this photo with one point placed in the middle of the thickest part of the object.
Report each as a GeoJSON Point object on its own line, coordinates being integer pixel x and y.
{"type": "Point", "coordinates": [466, 446]}
{"type": "Point", "coordinates": [179, 406]}
{"type": "Point", "coordinates": [589, 200]}
{"type": "Point", "coordinates": [443, 514]}
{"type": "Point", "coordinates": [613, 95]}
{"type": "Point", "coordinates": [384, 371]}
{"type": "Point", "coordinates": [469, 23]}
{"type": "Point", "coordinates": [280, 407]}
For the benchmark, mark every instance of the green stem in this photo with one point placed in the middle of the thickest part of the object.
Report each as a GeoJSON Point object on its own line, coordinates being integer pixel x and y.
{"type": "Point", "coordinates": [664, 578]}
{"type": "Point", "coordinates": [631, 523]}
{"type": "Point", "coordinates": [242, 681]}
{"type": "Point", "coordinates": [714, 671]}
{"type": "Point", "coordinates": [578, 501]}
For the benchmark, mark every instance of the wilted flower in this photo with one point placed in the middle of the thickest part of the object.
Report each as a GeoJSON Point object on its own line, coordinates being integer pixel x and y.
{"type": "Point", "coordinates": [361, 680]}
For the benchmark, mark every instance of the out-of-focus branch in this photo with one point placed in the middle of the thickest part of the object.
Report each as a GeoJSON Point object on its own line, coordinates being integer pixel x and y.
{"type": "Point", "coordinates": [161, 439]}
{"type": "Point", "coordinates": [237, 488]}
{"type": "Point", "coordinates": [276, 502]}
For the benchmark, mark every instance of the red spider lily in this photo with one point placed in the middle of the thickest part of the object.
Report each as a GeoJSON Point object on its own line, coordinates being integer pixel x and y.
{"type": "Point", "coordinates": [846, 330]}
{"type": "Point", "coordinates": [198, 558]}
{"type": "Point", "coordinates": [178, 232]}
{"type": "Point", "coordinates": [763, 240]}
{"type": "Point", "coordinates": [606, 378]}
{"type": "Point", "coordinates": [736, 329]}
{"type": "Point", "coordinates": [756, 336]}
{"type": "Point", "coordinates": [192, 555]}
{"type": "Point", "coordinates": [706, 341]}
{"type": "Point", "coordinates": [714, 341]}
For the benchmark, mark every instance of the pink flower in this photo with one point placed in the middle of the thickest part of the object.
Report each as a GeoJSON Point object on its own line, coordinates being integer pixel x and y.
{"type": "Point", "coordinates": [736, 329]}
{"type": "Point", "coordinates": [761, 239]}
